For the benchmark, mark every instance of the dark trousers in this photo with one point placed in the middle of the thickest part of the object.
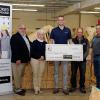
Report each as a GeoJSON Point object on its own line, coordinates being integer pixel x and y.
{"type": "Point", "coordinates": [97, 70]}
{"type": "Point", "coordinates": [82, 69]}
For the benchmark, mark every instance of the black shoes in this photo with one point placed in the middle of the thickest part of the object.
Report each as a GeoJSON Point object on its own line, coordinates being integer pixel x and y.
{"type": "Point", "coordinates": [82, 90]}
{"type": "Point", "coordinates": [55, 91]}
{"type": "Point", "coordinates": [72, 89]}
{"type": "Point", "coordinates": [64, 91]}
{"type": "Point", "coordinates": [20, 92]}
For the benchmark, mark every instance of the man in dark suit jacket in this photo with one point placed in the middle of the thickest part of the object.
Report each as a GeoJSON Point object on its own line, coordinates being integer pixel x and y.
{"type": "Point", "coordinates": [20, 49]}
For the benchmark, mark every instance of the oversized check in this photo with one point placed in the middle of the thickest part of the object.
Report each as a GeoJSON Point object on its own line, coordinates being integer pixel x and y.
{"type": "Point", "coordinates": [64, 52]}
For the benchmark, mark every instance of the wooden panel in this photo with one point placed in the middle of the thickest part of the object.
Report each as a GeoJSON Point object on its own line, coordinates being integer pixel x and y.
{"type": "Point", "coordinates": [48, 76]}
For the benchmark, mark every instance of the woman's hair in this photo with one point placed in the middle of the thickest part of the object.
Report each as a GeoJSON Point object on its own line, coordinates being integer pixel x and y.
{"type": "Point", "coordinates": [6, 33]}
{"type": "Point", "coordinates": [40, 31]}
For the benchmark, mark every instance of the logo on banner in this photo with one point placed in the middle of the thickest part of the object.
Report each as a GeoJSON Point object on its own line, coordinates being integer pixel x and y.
{"type": "Point", "coordinates": [4, 10]}
{"type": "Point", "coordinates": [4, 79]}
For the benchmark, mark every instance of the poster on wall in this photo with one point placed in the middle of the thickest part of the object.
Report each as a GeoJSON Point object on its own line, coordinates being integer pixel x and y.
{"type": "Point", "coordinates": [5, 51]}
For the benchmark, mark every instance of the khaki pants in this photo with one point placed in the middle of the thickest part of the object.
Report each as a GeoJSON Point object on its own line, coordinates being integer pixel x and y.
{"type": "Point", "coordinates": [18, 72]}
{"type": "Point", "coordinates": [38, 69]}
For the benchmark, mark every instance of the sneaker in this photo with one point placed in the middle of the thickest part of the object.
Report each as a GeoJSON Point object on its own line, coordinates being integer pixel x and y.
{"type": "Point", "coordinates": [55, 91]}
{"type": "Point", "coordinates": [66, 92]}
{"type": "Point", "coordinates": [82, 90]}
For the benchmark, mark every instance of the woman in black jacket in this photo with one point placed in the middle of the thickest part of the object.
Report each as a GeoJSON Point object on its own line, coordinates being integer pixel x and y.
{"type": "Point", "coordinates": [38, 60]}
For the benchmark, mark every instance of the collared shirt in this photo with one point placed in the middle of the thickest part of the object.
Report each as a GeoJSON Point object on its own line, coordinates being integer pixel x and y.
{"type": "Point", "coordinates": [60, 36]}
{"type": "Point", "coordinates": [61, 27]}
{"type": "Point", "coordinates": [40, 40]}
{"type": "Point", "coordinates": [26, 41]}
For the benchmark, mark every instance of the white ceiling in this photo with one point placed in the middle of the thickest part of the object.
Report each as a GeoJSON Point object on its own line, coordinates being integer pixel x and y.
{"type": "Point", "coordinates": [50, 5]}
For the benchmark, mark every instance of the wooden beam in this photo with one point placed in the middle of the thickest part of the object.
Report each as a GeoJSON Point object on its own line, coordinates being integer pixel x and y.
{"type": "Point", "coordinates": [78, 7]}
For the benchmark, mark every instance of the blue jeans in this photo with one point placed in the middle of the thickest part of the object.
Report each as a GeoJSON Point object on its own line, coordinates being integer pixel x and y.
{"type": "Point", "coordinates": [64, 66]}
{"type": "Point", "coordinates": [97, 70]}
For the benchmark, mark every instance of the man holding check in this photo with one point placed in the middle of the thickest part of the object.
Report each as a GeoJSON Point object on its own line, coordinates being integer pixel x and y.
{"type": "Point", "coordinates": [79, 39]}
{"type": "Point", "coordinates": [60, 35]}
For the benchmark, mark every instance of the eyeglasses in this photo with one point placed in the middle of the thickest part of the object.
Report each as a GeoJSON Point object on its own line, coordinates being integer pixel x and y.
{"type": "Point", "coordinates": [60, 20]}
{"type": "Point", "coordinates": [22, 28]}
{"type": "Point", "coordinates": [79, 32]}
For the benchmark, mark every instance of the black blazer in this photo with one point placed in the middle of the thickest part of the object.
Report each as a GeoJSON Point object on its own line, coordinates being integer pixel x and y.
{"type": "Point", "coordinates": [19, 49]}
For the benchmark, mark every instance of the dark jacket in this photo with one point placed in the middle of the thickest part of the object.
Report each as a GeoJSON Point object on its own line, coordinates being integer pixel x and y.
{"type": "Point", "coordinates": [85, 44]}
{"type": "Point", "coordinates": [19, 49]}
{"type": "Point", "coordinates": [38, 49]}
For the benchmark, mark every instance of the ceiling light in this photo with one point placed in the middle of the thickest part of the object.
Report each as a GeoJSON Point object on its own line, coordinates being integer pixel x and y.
{"type": "Point", "coordinates": [28, 5]}
{"type": "Point", "coordinates": [89, 12]}
{"type": "Point", "coordinates": [26, 10]}
{"type": "Point", "coordinates": [97, 8]}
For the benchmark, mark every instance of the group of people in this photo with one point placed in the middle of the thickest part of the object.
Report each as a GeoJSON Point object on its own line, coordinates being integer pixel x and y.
{"type": "Point", "coordinates": [23, 52]}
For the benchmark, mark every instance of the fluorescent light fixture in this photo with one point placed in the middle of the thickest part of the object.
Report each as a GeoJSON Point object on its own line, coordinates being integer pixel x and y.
{"type": "Point", "coordinates": [89, 12]}
{"type": "Point", "coordinates": [25, 10]}
{"type": "Point", "coordinates": [33, 5]}
{"type": "Point", "coordinates": [97, 8]}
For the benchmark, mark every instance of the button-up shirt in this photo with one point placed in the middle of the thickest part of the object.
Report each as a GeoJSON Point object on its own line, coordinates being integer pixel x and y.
{"type": "Point", "coordinates": [26, 41]}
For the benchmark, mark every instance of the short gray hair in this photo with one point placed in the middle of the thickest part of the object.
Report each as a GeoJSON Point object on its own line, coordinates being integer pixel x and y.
{"type": "Point", "coordinates": [40, 31]}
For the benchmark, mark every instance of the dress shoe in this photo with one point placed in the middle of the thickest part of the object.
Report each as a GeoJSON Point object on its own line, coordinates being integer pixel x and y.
{"type": "Point", "coordinates": [82, 90]}
{"type": "Point", "coordinates": [72, 89]}
{"type": "Point", "coordinates": [55, 91]}
{"type": "Point", "coordinates": [66, 92]}
{"type": "Point", "coordinates": [20, 92]}
{"type": "Point", "coordinates": [23, 90]}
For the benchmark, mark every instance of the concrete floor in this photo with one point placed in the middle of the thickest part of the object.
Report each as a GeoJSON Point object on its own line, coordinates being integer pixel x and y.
{"type": "Point", "coordinates": [47, 95]}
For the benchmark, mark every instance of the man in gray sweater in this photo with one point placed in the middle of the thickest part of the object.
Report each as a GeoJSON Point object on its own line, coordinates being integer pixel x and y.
{"type": "Point", "coordinates": [96, 55]}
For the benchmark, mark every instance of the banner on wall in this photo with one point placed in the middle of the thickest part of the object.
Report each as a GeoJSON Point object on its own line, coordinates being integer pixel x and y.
{"type": "Point", "coordinates": [5, 53]}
